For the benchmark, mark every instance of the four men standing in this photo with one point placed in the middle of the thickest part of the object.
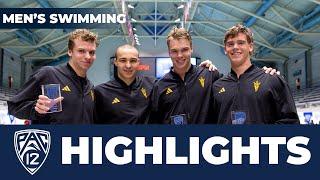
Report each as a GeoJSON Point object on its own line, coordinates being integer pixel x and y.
{"type": "Point", "coordinates": [182, 96]}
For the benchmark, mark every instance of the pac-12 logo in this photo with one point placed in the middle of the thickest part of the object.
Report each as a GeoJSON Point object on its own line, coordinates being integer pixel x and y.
{"type": "Point", "coordinates": [32, 148]}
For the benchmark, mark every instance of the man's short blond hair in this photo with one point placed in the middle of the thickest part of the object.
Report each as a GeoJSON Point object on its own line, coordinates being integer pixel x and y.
{"type": "Point", "coordinates": [179, 33]}
{"type": "Point", "coordinates": [84, 35]}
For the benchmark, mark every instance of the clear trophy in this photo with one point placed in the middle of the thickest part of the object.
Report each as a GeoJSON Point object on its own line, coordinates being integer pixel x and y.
{"type": "Point", "coordinates": [52, 91]}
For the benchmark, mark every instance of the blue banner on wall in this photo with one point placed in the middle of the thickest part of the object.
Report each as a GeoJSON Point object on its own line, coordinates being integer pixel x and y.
{"type": "Point", "coordinates": [159, 152]}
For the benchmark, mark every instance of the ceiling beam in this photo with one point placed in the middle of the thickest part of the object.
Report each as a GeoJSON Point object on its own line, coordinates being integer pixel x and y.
{"type": "Point", "coordinates": [173, 22]}
{"type": "Point", "coordinates": [30, 5]}
{"type": "Point", "coordinates": [305, 22]}
{"type": "Point", "coordinates": [62, 52]}
{"type": "Point", "coordinates": [30, 38]}
{"type": "Point", "coordinates": [259, 12]}
{"type": "Point", "coordinates": [155, 22]}
{"type": "Point", "coordinates": [222, 12]}
{"type": "Point", "coordinates": [310, 34]}
{"type": "Point", "coordinates": [264, 29]}
{"type": "Point", "coordinates": [47, 36]}
{"type": "Point", "coordinates": [258, 17]}
{"type": "Point", "coordinates": [170, 1]}
{"type": "Point", "coordinates": [260, 36]}
{"type": "Point", "coordinates": [78, 4]}
{"type": "Point", "coordinates": [237, 20]}
{"type": "Point", "coordinates": [315, 1]}
{"type": "Point", "coordinates": [6, 41]}
{"type": "Point", "coordinates": [287, 10]}
{"type": "Point", "coordinates": [223, 29]}
{"type": "Point", "coordinates": [301, 44]}
{"type": "Point", "coordinates": [145, 11]}
{"type": "Point", "coordinates": [276, 50]}
{"type": "Point", "coordinates": [282, 18]}
{"type": "Point", "coordinates": [209, 40]}
{"type": "Point", "coordinates": [37, 45]}
{"type": "Point", "coordinates": [7, 30]}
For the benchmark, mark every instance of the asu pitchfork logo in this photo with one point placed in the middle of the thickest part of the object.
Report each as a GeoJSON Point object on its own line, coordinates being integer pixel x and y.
{"type": "Point", "coordinates": [32, 148]}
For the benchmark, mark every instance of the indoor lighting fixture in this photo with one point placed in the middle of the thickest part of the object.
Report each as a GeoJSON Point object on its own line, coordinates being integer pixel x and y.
{"type": "Point", "coordinates": [180, 7]}
{"type": "Point", "coordinates": [130, 6]}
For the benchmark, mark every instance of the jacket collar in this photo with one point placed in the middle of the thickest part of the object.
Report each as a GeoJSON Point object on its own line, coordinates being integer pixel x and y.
{"type": "Point", "coordinates": [191, 70]}
{"type": "Point", "coordinates": [70, 71]}
{"type": "Point", "coordinates": [248, 71]}
{"type": "Point", "coordinates": [134, 84]}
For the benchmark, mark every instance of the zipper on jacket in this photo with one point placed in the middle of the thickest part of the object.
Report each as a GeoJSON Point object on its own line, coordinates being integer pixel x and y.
{"type": "Point", "coordinates": [187, 102]}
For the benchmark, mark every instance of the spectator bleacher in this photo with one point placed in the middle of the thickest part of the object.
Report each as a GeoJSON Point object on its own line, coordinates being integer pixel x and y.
{"type": "Point", "coordinates": [6, 93]}
{"type": "Point", "coordinates": [308, 97]}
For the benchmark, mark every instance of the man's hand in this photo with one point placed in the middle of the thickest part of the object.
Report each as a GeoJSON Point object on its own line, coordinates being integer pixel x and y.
{"type": "Point", "coordinates": [270, 71]}
{"type": "Point", "coordinates": [208, 64]}
{"type": "Point", "coordinates": [44, 104]}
